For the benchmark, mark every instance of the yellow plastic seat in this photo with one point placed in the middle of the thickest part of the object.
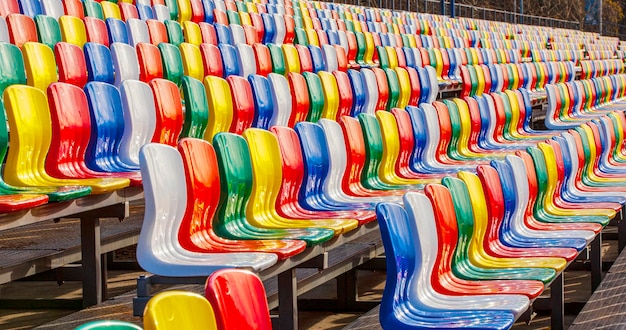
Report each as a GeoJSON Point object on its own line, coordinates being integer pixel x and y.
{"type": "Point", "coordinates": [292, 58]}
{"type": "Point", "coordinates": [30, 135]}
{"type": "Point", "coordinates": [184, 11]}
{"type": "Point", "coordinates": [312, 36]}
{"type": "Point", "coordinates": [110, 10]}
{"type": "Point", "coordinates": [179, 310]}
{"type": "Point", "coordinates": [192, 61]}
{"type": "Point", "coordinates": [40, 65]}
{"type": "Point", "coordinates": [405, 87]}
{"type": "Point", "coordinates": [192, 33]}
{"type": "Point", "coordinates": [73, 30]}
{"type": "Point", "coordinates": [393, 57]}
{"type": "Point", "coordinates": [267, 179]}
{"type": "Point", "coordinates": [220, 106]}
{"type": "Point", "coordinates": [368, 57]}
{"type": "Point", "coordinates": [331, 95]}
{"type": "Point", "coordinates": [477, 253]}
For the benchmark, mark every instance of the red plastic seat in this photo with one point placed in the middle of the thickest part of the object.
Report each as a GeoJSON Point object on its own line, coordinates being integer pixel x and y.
{"type": "Point", "coordinates": [21, 29]}
{"type": "Point", "coordinates": [383, 88]}
{"type": "Point", "coordinates": [238, 300]}
{"type": "Point", "coordinates": [8, 7]}
{"type": "Point", "coordinates": [196, 231]}
{"type": "Point", "coordinates": [211, 60]}
{"type": "Point", "coordinates": [157, 32]}
{"type": "Point", "coordinates": [169, 119]}
{"type": "Point", "coordinates": [345, 93]}
{"type": "Point", "coordinates": [128, 10]}
{"type": "Point", "coordinates": [74, 8]}
{"type": "Point", "coordinates": [150, 64]}
{"type": "Point", "coordinates": [96, 31]}
{"type": "Point", "coordinates": [209, 35]}
{"type": "Point", "coordinates": [299, 98]}
{"type": "Point", "coordinates": [243, 104]}
{"type": "Point", "coordinates": [306, 62]}
{"type": "Point", "coordinates": [71, 64]}
{"type": "Point", "coordinates": [263, 59]}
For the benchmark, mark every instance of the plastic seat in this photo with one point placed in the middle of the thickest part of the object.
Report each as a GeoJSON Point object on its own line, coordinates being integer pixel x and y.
{"type": "Point", "coordinates": [237, 187]}
{"type": "Point", "coordinates": [93, 9]}
{"type": "Point", "coordinates": [21, 28]}
{"type": "Point", "coordinates": [96, 30]}
{"type": "Point", "coordinates": [4, 30]}
{"type": "Point", "coordinates": [107, 129]}
{"type": "Point", "coordinates": [267, 179]}
{"type": "Point", "coordinates": [108, 325]}
{"type": "Point", "coordinates": [246, 60]}
{"type": "Point", "coordinates": [243, 104]}
{"type": "Point", "coordinates": [53, 8]}
{"type": "Point", "coordinates": [157, 32]}
{"type": "Point", "coordinates": [281, 99]}
{"type": "Point", "coordinates": [169, 111]}
{"type": "Point", "coordinates": [128, 11]}
{"type": "Point", "coordinates": [196, 108]}
{"type": "Point", "coordinates": [111, 10]}
{"type": "Point", "coordinates": [30, 8]}
{"type": "Point", "coordinates": [230, 60]}
{"type": "Point", "coordinates": [316, 96]}
{"type": "Point", "coordinates": [73, 30]}
{"type": "Point", "coordinates": [264, 105]}
{"type": "Point", "coordinates": [99, 63]}
{"type": "Point", "coordinates": [118, 31]}
{"type": "Point", "coordinates": [48, 30]}
{"type": "Point", "coordinates": [398, 308]}
{"type": "Point", "coordinates": [211, 60]}
{"type": "Point", "coordinates": [179, 310]}
{"type": "Point", "coordinates": [139, 120]}
{"type": "Point", "coordinates": [137, 31]}
{"type": "Point", "coordinates": [71, 64]}
{"type": "Point", "coordinates": [159, 251]}
{"type": "Point", "coordinates": [229, 290]}
{"type": "Point", "coordinates": [174, 32]}
{"type": "Point", "coordinates": [125, 62]}
{"type": "Point", "coordinates": [220, 106]}
{"type": "Point", "coordinates": [40, 65]}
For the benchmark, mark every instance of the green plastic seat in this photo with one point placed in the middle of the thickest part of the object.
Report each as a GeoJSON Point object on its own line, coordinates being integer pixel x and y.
{"type": "Point", "coordinates": [173, 7]}
{"type": "Point", "coordinates": [233, 17]}
{"type": "Point", "coordinates": [174, 32]}
{"type": "Point", "coordinates": [196, 108]}
{"type": "Point", "coordinates": [360, 42]}
{"type": "Point", "coordinates": [48, 30]}
{"type": "Point", "coordinates": [278, 59]}
{"type": "Point", "coordinates": [301, 38]}
{"type": "Point", "coordinates": [236, 176]}
{"type": "Point", "coordinates": [93, 9]}
{"type": "Point", "coordinates": [393, 84]}
{"type": "Point", "coordinates": [316, 96]}
{"type": "Point", "coordinates": [383, 57]}
{"type": "Point", "coordinates": [173, 69]}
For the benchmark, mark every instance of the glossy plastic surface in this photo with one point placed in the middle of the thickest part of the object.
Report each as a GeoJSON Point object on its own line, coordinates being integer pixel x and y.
{"type": "Point", "coordinates": [178, 310]}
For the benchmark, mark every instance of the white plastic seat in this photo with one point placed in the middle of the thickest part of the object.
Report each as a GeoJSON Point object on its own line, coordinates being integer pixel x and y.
{"type": "Point", "coordinates": [125, 62]}
{"type": "Point", "coordinates": [280, 29]}
{"type": "Point", "coordinates": [330, 58]}
{"type": "Point", "coordinates": [158, 249]}
{"type": "Point", "coordinates": [281, 98]}
{"type": "Point", "coordinates": [434, 84]}
{"type": "Point", "coordinates": [247, 60]}
{"type": "Point", "coordinates": [4, 30]}
{"type": "Point", "coordinates": [371, 85]}
{"type": "Point", "coordinates": [53, 8]}
{"type": "Point", "coordinates": [161, 13]}
{"type": "Point", "coordinates": [237, 34]}
{"type": "Point", "coordinates": [139, 119]}
{"type": "Point", "coordinates": [137, 31]}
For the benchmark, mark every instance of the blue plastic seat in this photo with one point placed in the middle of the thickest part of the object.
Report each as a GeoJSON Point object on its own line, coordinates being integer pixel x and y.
{"type": "Point", "coordinates": [107, 122]}
{"type": "Point", "coordinates": [117, 30]}
{"type": "Point", "coordinates": [223, 34]}
{"type": "Point", "coordinates": [99, 63]}
{"type": "Point", "coordinates": [230, 60]}
{"type": "Point", "coordinates": [264, 106]}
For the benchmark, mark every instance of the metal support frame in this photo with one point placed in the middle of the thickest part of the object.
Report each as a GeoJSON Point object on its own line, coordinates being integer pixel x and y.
{"type": "Point", "coordinates": [557, 321]}
{"type": "Point", "coordinates": [94, 262]}
{"type": "Point", "coordinates": [596, 262]}
{"type": "Point", "coordinates": [621, 231]}
{"type": "Point", "coordinates": [288, 300]}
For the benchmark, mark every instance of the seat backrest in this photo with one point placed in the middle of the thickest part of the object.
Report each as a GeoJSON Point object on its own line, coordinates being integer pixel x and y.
{"type": "Point", "coordinates": [137, 31]}
{"type": "Point", "coordinates": [196, 108]}
{"type": "Point", "coordinates": [73, 30]}
{"type": "Point", "coordinates": [48, 30]}
{"type": "Point", "coordinates": [169, 111]}
{"type": "Point", "coordinates": [150, 62]}
{"type": "Point", "coordinates": [220, 106]}
{"type": "Point", "coordinates": [192, 61]}
{"type": "Point", "coordinates": [264, 107]}
{"type": "Point", "coordinates": [40, 65]}
{"type": "Point", "coordinates": [139, 115]}
{"type": "Point", "coordinates": [281, 99]}
{"type": "Point", "coordinates": [230, 60]}
{"type": "Point", "coordinates": [96, 30]}
{"type": "Point", "coordinates": [316, 96]}
{"type": "Point", "coordinates": [243, 104]}
{"type": "Point", "coordinates": [22, 29]}
{"type": "Point", "coordinates": [117, 30]}
{"type": "Point", "coordinates": [53, 8]}
{"type": "Point", "coordinates": [176, 309]}
{"type": "Point", "coordinates": [246, 60]}
{"type": "Point", "coordinates": [125, 62]}
{"type": "Point", "coordinates": [108, 325]}
{"type": "Point", "coordinates": [239, 300]}
{"type": "Point", "coordinates": [99, 63]}
{"type": "Point", "coordinates": [71, 64]}
{"type": "Point", "coordinates": [11, 66]}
